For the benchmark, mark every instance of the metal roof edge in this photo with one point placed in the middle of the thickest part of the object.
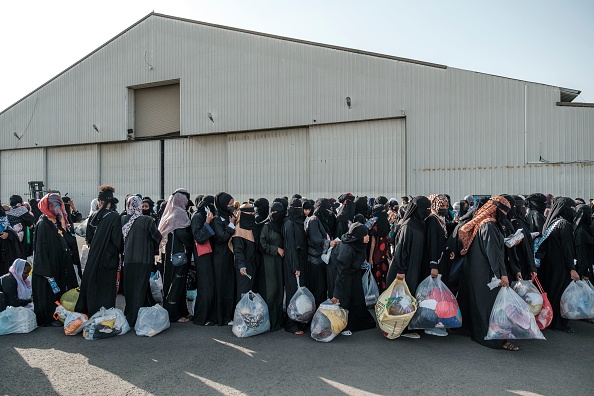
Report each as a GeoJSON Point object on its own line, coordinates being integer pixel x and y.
{"type": "Point", "coordinates": [576, 104]}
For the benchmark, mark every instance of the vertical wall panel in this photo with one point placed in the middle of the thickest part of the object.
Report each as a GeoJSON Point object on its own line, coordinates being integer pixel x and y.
{"type": "Point", "coordinates": [198, 164]}
{"type": "Point", "coordinates": [74, 170]}
{"type": "Point", "coordinates": [132, 168]}
{"type": "Point", "coordinates": [365, 158]}
{"type": "Point", "coordinates": [267, 164]}
{"type": "Point", "coordinates": [17, 168]}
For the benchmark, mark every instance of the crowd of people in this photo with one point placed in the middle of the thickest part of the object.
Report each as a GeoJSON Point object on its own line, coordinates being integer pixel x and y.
{"type": "Point", "coordinates": [224, 248]}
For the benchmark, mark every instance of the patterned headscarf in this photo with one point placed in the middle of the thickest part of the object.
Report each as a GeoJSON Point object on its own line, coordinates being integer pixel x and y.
{"type": "Point", "coordinates": [175, 215]}
{"type": "Point", "coordinates": [52, 206]}
{"type": "Point", "coordinates": [23, 285]}
{"type": "Point", "coordinates": [134, 210]}
{"type": "Point", "coordinates": [4, 223]}
{"type": "Point", "coordinates": [436, 201]}
{"type": "Point", "coordinates": [486, 214]}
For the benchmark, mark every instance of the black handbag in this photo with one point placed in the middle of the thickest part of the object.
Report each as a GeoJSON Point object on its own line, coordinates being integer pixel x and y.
{"type": "Point", "coordinates": [177, 259]}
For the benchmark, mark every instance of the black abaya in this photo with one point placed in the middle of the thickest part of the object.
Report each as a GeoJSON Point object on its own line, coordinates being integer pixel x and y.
{"type": "Point", "coordinates": [295, 241]}
{"type": "Point", "coordinates": [180, 240]}
{"type": "Point", "coordinates": [272, 273]}
{"type": "Point", "coordinates": [204, 306]}
{"type": "Point", "coordinates": [224, 271]}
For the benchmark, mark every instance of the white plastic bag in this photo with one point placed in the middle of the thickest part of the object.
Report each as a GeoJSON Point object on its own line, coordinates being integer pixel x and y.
{"type": "Point", "coordinates": [156, 283]}
{"type": "Point", "coordinates": [370, 289]}
{"type": "Point", "coordinates": [251, 316]}
{"type": "Point", "coordinates": [437, 306]}
{"type": "Point", "coordinates": [74, 323]}
{"type": "Point", "coordinates": [106, 323]}
{"type": "Point", "coordinates": [15, 320]}
{"type": "Point", "coordinates": [329, 320]}
{"type": "Point", "coordinates": [577, 301]}
{"type": "Point", "coordinates": [84, 255]}
{"type": "Point", "coordinates": [530, 294]}
{"type": "Point", "coordinates": [511, 318]}
{"type": "Point", "coordinates": [81, 229]}
{"type": "Point", "coordinates": [151, 321]}
{"type": "Point", "coordinates": [302, 306]}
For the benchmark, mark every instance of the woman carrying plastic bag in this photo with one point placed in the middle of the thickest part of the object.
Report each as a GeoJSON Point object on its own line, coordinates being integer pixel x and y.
{"type": "Point", "coordinates": [394, 309]}
{"type": "Point", "coordinates": [302, 306]}
{"type": "Point", "coordinates": [437, 308]}
{"type": "Point", "coordinates": [151, 321]}
{"type": "Point", "coordinates": [251, 316]}
{"type": "Point", "coordinates": [577, 301]}
{"type": "Point", "coordinates": [512, 319]}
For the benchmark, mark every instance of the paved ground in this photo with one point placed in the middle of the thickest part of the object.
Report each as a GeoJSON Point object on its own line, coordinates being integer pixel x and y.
{"type": "Point", "coordinates": [192, 360]}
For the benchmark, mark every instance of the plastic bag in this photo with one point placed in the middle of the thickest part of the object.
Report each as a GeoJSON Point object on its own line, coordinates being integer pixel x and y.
{"type": "Point", "coordinates": [15, 320]}
{"type": "Point", "coordinates": [577, 301]}
{"type": "Point", "coordinates": [60, 313]}
{"type": "Point", "coordinates": [106, 323]}
{"type": "Point", "coordinates": [545, 316]}
{"type": "Point", "coordinates": [394, 309]}
{"type": "Point", "coordinates": [191, 295]}
{"type": "Point", "coordinates": [302, 306]}
{"type": "Point", "coordinates": [81, 229]}
{"type": "Point", "coordinates": [151, 321]}
{"type": "Point", "coordinates": [156, 284]}
{"type": "Point", "coordinates": [251, 316]}
{"type": "Point", "coordinates": [74, 323]}
{"type": "Point", "coordinates": [530, 294]}
{"type": "Point", "coordinates": [69, 299]}
{"type": "Point", "coordinates": [437, 306]}
{"type": "Point", "coordinates": [511, 318]}
{"type": "Point", "coordinates": [84, 255]}
{"type": "Point", "coordinates": [328, 321]}
{"type": "Point", "coordinates": [370, 289]}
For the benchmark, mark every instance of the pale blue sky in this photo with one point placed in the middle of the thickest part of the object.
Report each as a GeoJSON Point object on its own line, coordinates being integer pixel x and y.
{"type": "Point", "coordinates": [544, 41]}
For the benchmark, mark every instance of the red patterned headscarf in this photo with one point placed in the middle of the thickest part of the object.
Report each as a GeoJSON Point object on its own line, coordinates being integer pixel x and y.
{"type": "Point", "coordinates": [486, 214]}
{"type": "Point", "coordinates": [52, 206]}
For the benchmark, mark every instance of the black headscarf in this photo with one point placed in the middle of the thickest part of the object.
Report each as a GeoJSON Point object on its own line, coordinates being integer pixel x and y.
{"type": "Point", "coordinates": [354, 237]}
{"type": "Point", "coordinates": [207, 200]}
{"type": "Point", "coordinates": [582, 225]}
{"type": "Point", "coordinates": [347, 211]}
{"type": "Point", "coordinates": [464, 206]}
{"type": "Point", "coordinates": [295, 211]}
{"type": "Point", "coordinates": [382, 223]}
{"type": "Point", "coordinates": [322, 210]}
{"type": "Point", "coordinates": [35, 209]}
{"type": "Point", "coordinates": [307, 204]}
{"type": "Point", "coordinates": [277, 216]}
{"type": "Point", "coordinates": [419, 208]}
{"type": "Point", "coordinates": [504, 220]}
{"type": "Point", "coordinates": [222, 200]}
{"type": "Point", "coordinates": [198, 199]}
{"type": "Point", "coordinates": [537, 201]}
{"type": "Point", "coordinates": [561, 208]}
{"type": "Point", "coordinates": [283, 202]}
{"type": "Point", "coordinates": [247, 220]}
{"type": "Point", "coordinates": [361, 206]}
{"type": "Point", "coordinates": [381, 200]}
{"type": "Point", "coordinates": [262, 208]}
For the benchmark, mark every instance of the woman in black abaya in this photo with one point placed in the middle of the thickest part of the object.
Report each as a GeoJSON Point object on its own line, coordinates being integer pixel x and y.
{"type": "Point", "coordinates": [555, 252]}
{"type": "Point", "coordinates": [348, 290]}
{"type": "Point", "coordinates": [224, 272]}
{"type": "Point", "coordinates": [345, 215]}
{"type": "Point", "coordinates": [244, 250]}
{"type": "Point", "coordinates": [584, 240]}
{"type": "Point", "coordinates": [537, 203]}
{"type": "Point", "coordinates": [482, 244]}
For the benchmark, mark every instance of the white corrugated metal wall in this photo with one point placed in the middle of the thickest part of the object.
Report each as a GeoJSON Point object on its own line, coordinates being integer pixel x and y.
{"type": "Point", "coordinates": [17, 168]}
{"type": "Point", "coordinates": [74, 170]}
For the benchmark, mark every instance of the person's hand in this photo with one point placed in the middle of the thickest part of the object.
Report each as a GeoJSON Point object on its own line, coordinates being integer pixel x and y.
{"type": "Point", "coordinates": [370, 261]}
{"type": "Point", "coordinates": [574, 275]}
{"type": "Point", "coordinates": [434, 273]}
{"type": "Point", "coordinates": [243, 272]}
{"type": "Point", "coordinates": [519, 276]}
{"type": "Point", "coordinates": [400, 276]}
{"type": "Point", "coordinates": [232, 220]}
{"type": "Point", "coordinates": [334, 243]}
{"type": "Point", "coordinates": [504, 281]}
{"type": "Point", "coordinates": [209, 217]}
{"type": "Point", "coordinates": [297, 273]}
{"type": "Point", "coordinates": [452, 256]}
{"type": "Point", "coordinates": [335, 300]}
{"type": "Point", "coordinates": [3, 235]}
{"type": "Point", "coordinates": [281, 252]}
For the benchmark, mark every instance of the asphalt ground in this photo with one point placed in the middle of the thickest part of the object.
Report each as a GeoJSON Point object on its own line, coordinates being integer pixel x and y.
{"type": "Point", "coordinates": [194, 360]}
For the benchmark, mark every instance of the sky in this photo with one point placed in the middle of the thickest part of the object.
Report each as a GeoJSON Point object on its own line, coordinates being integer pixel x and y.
{"type": "Point", "coordinates": [543, 41]}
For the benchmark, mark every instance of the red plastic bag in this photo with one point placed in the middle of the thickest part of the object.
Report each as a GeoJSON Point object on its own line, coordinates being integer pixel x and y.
{"type": "Point", "coordinates": [545, 316]}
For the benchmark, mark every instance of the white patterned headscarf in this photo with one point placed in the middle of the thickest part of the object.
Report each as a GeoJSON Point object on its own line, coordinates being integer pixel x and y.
{"type": "Point", "coordinates": [175, 215]}
{"type": "Point", "coordinates": [134, 210]}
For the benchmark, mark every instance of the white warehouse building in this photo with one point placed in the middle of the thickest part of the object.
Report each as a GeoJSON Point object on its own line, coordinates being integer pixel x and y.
{"type": "Point", "coordinates": [174, 103]}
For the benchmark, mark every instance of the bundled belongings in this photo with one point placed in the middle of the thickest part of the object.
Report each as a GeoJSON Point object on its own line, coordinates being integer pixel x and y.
{"type": "Point", "coordinates": [370, 289]}
{"type": "Point", "coordinates": [577, 301]}
{"type": "Point", "coordinates": [394, 309]}
{"type": "Point", "coordinates": [151, 321]}
{"type": "Point", "coordinates": [530, 294]}
{"type": "Point", "coordinates": [74, 323]}
{"type": "Point", "coordinates": [17, 320]}
{"type": "Point", "coordinates": [156, 284]}
{"type": "Point", "coordinates": [302, 306]}
{"type": "Point", "coordinates": [545, 316]}
{"type": "Point", "coordinates": [329, 320]}
{"type": "Point", "coordinates": [106, 323]}
{"type": "Point", "coordinates": [437, 306]}
{"type": "Point", "coordinates": [69, 299]}
{"type": "Point", "coordinates": [251, 316]}
{"type": "Point", "coordinates": [511, 318]}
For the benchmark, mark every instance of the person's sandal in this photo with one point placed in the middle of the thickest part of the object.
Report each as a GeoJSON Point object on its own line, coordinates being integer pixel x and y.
{"type": "Point", "coordinates": [347, 333]}
{"type": "Point", "coordinates": [508, 346]}
{"type": "Point", "coordinates": [300, 332]}
{"type": "Point", "coordinates": [183, 320]}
